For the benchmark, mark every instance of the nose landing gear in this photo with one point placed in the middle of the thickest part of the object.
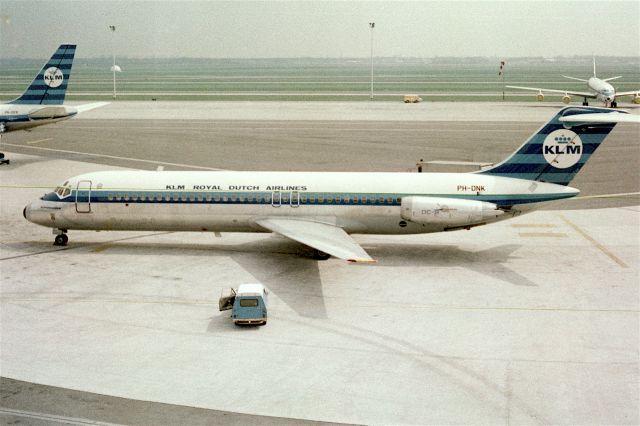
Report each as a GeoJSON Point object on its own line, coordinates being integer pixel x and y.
{"type": "Point", "coordinates": [61, 238]}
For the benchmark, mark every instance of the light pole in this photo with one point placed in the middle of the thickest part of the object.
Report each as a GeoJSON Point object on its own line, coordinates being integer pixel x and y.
{"type": "Point", "coordinates": [114, 68]}
{"type": "Point", "coordinates": [372, 25]}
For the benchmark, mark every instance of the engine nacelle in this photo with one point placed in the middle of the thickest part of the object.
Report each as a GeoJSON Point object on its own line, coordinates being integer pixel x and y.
{"type": "Point", "coordinates": [566, 99]}
{"type": "Point", "coordinates": [636, 98]}
{"type": "Point", "coordinates": [450, 212]}
{"type": "Point", "coordinates": [540, 97]}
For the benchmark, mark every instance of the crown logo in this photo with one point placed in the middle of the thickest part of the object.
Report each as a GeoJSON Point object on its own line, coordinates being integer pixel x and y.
{"type": "Point", "coordinates": [562, 139]}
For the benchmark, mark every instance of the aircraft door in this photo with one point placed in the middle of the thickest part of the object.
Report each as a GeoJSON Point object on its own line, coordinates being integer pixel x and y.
{"type": "Point", "coordinates": [83, 201]}
{"type": "Point", "coordinates": [295, 199]}
{"type": "Point", "coordinates": [276, 198]}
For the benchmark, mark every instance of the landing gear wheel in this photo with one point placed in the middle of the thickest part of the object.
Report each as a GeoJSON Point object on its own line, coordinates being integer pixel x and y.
{"type": "Point", "coordinates": [320, 255]}
{"type": "Point", "coordinates": [61, 240]}
{"type": "Point", "coordinates": [585, 103]}
{"type": "Point", "coordinates": [614, 104]}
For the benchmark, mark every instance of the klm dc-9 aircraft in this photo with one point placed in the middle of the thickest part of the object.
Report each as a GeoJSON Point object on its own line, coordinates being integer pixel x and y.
{"type": "Point", "coordinates": [321, 209]}
{"type": "Point", "coordinates": [42, 102]}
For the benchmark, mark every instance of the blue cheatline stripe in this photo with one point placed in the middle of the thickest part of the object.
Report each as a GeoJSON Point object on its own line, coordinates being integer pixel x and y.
{"type": "Point", "coordinates": [38, 92]}
{"type": "Point", "coordinates": [264, 198]}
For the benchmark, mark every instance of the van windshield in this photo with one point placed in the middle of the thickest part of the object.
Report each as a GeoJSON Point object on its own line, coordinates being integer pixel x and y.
{"type": "Point", "coordinates": [249, 303]}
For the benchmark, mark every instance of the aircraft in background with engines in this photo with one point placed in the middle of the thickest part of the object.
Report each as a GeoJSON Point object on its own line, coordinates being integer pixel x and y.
{"type": "Point", "coordinates": [603, 91]}
{"type": "Point", "coordinates": [321, 209]}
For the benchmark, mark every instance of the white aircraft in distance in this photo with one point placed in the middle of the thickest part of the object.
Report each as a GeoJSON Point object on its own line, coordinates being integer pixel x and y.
{"type": "Point", "coordinates": [321, 209]}
{"type": "Point", "coordinates": [602, 91]}
{"type": "Point", "coordinates": [42, 102]}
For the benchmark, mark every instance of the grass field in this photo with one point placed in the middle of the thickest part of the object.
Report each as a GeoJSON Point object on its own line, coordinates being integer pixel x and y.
{"type": "Point", "coordinates": [306, 79]}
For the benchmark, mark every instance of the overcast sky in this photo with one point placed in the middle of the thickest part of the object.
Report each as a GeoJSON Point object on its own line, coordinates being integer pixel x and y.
{"type": "Point", "coordinates": [241, 29]}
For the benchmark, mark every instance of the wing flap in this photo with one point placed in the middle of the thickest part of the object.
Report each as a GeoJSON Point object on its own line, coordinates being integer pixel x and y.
{"type": "Point", "coordinates": [328, 238]}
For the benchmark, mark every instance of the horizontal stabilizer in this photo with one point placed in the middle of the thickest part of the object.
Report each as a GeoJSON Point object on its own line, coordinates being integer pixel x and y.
{"type": "Point", "coordinates": [321, 236]}
{"type": "Point", "coordinates": [601, 118]}
{"type": "Point", "coordinates": [611, 78]}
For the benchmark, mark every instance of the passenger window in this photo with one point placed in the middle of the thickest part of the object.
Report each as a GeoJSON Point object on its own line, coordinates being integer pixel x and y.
{"type": "Point", "coordinates": [126, 197]}
{"type": "Point", "coordinates": [208, 198]}
{"type": "Point", "coordinates": [192, 197]}
{"type": "Point", "coordinates": [110, 197]}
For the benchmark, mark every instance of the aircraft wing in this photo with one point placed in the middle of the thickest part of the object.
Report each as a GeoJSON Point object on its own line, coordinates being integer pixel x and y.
{"type": "Point", "coordinates": [602, 117]}
{"type": "Point", "coordinates": [632, 93]}
{"type": "Point", "coordinates": [562, 92]}
{"type": "Point", "coordinates": [328, 238]}
{"type": "Point", "coordinates": [89, 107]}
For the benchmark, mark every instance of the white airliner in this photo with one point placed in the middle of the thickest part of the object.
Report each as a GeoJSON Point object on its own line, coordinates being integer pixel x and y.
{"type": "Point", "coordinates": [42, 102]}
{"type": "Point", "coordinates": [321, 209]}
{"type": "Point", "coordinates": [602, 91]}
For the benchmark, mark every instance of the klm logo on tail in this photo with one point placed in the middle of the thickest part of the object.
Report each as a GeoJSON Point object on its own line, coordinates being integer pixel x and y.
{"type": "Point", "coordinates": [50, 85]}
{"type": "Point", "coordinates": [558, 150]}
{"type": "Point", "coordinates": [562, 148]}
{"type": "Point", "coordinates": [53, 77]}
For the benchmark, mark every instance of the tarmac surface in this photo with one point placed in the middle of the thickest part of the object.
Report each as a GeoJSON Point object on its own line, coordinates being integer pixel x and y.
{"type": "Point", "coordinates": [528, 321]}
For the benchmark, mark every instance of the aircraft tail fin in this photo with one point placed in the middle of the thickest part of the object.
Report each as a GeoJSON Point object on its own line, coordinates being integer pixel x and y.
{"type": "Point", "coordinates": [50, 85]}
{"type": "Point", "coordinates": [559, 149]}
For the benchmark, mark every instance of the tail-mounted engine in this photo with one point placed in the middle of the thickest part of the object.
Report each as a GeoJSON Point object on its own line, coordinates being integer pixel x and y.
{"type": "Point", "coordinates": [450, 212]}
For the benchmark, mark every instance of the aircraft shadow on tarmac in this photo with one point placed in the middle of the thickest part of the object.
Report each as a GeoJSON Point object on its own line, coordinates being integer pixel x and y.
{"type": "Point", "coordinates": [286, 268]}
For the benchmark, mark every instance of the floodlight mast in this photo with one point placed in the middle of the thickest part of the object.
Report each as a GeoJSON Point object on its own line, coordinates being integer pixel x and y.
{"type": "Point", "coordinates": [372, 25]}
{"type": "Point", "coordinates": [114, 68]}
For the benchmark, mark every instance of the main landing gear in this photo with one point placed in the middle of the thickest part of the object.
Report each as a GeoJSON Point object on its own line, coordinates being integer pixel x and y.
{"type": "Point", "coordinates": [585, 103]}
{"type": "Point", "coordinates": [61, 238]}
{"type": "Point", "coordinates": [320, 255]}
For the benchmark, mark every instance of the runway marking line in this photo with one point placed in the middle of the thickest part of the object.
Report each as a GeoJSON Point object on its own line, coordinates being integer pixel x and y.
{"type": "Point", "coordinates": [39, 141]}
{"type": "Point", "coordinates": [543, 234]}
{"type": "Point", "coordinates": [115, 157]}
{"type": "Point", "coordinates": [595, 243]}
{"type": "Point", "coordinates": [533, 225]}
{"type": "Point", "coordinates": [51, 417]}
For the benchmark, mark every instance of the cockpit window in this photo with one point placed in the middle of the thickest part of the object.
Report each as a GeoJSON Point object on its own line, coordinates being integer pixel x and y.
{"type": "Point", "coordinates": [63, 191]}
